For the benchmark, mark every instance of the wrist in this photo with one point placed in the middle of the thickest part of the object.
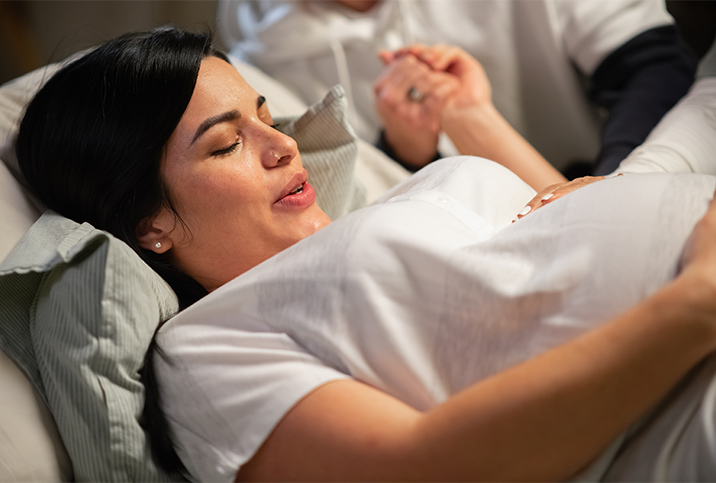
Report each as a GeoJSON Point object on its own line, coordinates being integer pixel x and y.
{"type": "Point", "coordinates": [414, 153]}
{"type": "Point", "coordinates": [483, 114]}
{"type": "Point", "coordinates": [411, 163]}
{"type": "Point", "coordinates": [475, 126]}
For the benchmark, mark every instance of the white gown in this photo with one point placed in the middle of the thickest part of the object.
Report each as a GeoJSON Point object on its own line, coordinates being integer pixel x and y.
{"type": "Point", "coordinates": [434, 288]}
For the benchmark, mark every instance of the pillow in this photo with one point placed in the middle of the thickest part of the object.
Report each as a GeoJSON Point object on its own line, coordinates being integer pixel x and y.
{"type": "Point", "coordinates": [30, 446]}
{"type": "Point", "coordinates": [17, 211]}
{"type": "Point", "coordinates": [328, 148]}
{"type": "Point", "coordinates": [79, 310]}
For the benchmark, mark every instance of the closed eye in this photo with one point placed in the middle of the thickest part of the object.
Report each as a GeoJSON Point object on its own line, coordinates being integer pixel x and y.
{"type": "Point", "coordinates": [226, 150]}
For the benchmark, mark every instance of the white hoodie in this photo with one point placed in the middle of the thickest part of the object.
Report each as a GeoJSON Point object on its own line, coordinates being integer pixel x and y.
{"type": "Point", "coordinates": [538, 54]}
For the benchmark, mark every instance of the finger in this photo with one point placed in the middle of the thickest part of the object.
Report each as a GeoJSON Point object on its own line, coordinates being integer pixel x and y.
{"type": "Point", "coordinates": [386, 77]}
{"type": "Point", "coordinates": [410, 66]}
{"type": "Point", "coordinates": [542, 199]}
{"type": "Point", "coordinates": [440, 92]}
{"type": "Point", "coordinates": [554, 192]}
{"type": "Point", "coordinates": [441, 57]}
{"type": "Point", "coordinates": [432, 56]}
{"type": "Point", "coordinates": [386, 56]}
{"type": "Point", "coordinates": [541, 196]}
{"type": "Point", "coordinates": [413, 75]}
{"type": "Point", "coordinates": [414, 49]}
{"type": "Point", "coordinates": [396, 79]}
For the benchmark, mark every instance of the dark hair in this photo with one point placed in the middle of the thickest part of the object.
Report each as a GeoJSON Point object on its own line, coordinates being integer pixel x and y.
{"type": "Point", "coordinates": [90, 146]}
{"type": "Point", "coordinates": [91, 141]}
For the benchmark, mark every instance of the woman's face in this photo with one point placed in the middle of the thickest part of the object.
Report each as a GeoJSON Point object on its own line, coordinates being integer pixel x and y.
{"type": "Point", "coordinates": [237, 183]}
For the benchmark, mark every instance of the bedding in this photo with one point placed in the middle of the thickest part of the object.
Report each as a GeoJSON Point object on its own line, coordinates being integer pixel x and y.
{"type": "Point", "coordinates": [424, 293]}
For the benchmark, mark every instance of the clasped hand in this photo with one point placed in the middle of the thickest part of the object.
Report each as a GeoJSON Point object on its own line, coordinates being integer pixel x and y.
{"type": "Point", "coordinates": [418, 88]}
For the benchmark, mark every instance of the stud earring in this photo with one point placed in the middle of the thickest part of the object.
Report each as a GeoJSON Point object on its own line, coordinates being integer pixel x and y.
{"type": "Point", "coordinates": [158, 245]}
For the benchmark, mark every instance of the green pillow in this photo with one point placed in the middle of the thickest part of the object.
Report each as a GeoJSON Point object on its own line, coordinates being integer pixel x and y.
{"type": "Point", "coordinates": [78, 311]}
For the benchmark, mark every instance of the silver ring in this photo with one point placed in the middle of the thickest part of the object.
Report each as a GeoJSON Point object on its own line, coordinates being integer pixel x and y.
{"type": "Point", "coordinates": [415, 95]}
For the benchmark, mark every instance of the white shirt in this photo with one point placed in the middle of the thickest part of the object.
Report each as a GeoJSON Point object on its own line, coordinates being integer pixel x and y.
{"type": "Point", "coordinates": [536, 53]}
{"type": "Point", "coordinates": [420, 296]}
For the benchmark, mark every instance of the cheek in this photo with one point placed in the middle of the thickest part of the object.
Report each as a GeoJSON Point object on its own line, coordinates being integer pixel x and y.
{"type": "Point", "coordinates": [218, 197]}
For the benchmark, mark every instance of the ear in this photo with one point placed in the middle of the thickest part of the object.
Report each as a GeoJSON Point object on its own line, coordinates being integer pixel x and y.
{"type": "Point", "coordinates": [155, 234]}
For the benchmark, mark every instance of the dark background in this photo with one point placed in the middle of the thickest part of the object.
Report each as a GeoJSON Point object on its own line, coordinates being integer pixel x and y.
{"type": "Point", "coordinates": [36, 32]}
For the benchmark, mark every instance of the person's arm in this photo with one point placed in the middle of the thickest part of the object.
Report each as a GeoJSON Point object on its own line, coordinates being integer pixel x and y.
{"type": "Point", "coordinates": [482, 131]}
{"type": "Point", "coordinates": [637, 84]}
{"type": "Point", "coordinates": [457, 100]}
{"type": "Point", "coordinates": [473, 123]}
{"type": "Point", "coordinates": [542, 420]}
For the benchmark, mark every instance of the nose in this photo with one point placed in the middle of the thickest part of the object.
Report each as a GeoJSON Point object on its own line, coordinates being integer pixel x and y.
{"type": "Point", "coordinates": [281, 149]}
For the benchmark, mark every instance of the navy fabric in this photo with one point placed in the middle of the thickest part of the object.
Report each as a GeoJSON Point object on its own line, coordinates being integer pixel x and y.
{"type": "Point", "coordinates": [638, 83]}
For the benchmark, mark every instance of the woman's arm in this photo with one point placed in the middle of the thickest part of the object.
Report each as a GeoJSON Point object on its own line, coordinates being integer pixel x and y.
{"type": "Point", "coordinates": [456, 99]}
{"type": "Point", "coordinates": [481, 130]}
{"type": "Point", "coordinates": [476, 127]}
{"type": "Point", "coordinates": [544, 419]}
{"type": "Point", "coordinates": [470, 119]}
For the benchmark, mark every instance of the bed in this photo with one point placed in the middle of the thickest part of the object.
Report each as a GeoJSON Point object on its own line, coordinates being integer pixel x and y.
{"type": "Point", "coordinates": [92, 431]}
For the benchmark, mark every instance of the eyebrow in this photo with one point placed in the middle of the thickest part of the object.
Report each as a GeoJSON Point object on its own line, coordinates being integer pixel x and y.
{"type": "Point", "coordinates": [227, 116]}
{"type": "Point", "coordinates": [213, 121]}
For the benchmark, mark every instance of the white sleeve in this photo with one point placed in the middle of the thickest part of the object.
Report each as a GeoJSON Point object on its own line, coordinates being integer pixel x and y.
{"type": "Point", "coordinates": [685, 138]}
{"type": "Point", "coordinates": [224, 390]}
{"type": "Point", "coordinates": [592, 29]}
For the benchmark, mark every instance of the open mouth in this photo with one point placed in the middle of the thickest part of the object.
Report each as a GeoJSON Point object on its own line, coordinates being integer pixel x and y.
{"type": "Point", "coordinates": [297, 191]}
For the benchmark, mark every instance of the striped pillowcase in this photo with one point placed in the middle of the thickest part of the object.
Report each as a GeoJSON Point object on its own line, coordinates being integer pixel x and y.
{"type": "Point", "coordinates": [329, 148]}
{"type": "Point", "coordinates": [78, 311]}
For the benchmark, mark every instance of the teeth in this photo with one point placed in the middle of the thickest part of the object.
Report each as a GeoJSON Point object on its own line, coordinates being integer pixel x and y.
{"type": "Point", "coordinates": [297, 190]}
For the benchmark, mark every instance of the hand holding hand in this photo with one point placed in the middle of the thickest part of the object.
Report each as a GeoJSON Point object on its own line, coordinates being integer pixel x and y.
{"type": "Point", "coordinates": [459, 104]}
{"type": "Point", "coordinates": [473, 85]}
{"type": "Point", "coordinates": [410, 98]}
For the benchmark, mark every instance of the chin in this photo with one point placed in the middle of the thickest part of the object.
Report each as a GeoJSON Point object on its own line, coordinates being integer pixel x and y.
{"type": "Point", "coordinates": [319, 223]}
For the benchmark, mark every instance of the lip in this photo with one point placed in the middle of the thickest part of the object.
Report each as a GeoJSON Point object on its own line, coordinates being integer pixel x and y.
{"type": "Point", "coordinates": [305, 198]}
{"type": "Point", "coordinates": [297, 179]}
